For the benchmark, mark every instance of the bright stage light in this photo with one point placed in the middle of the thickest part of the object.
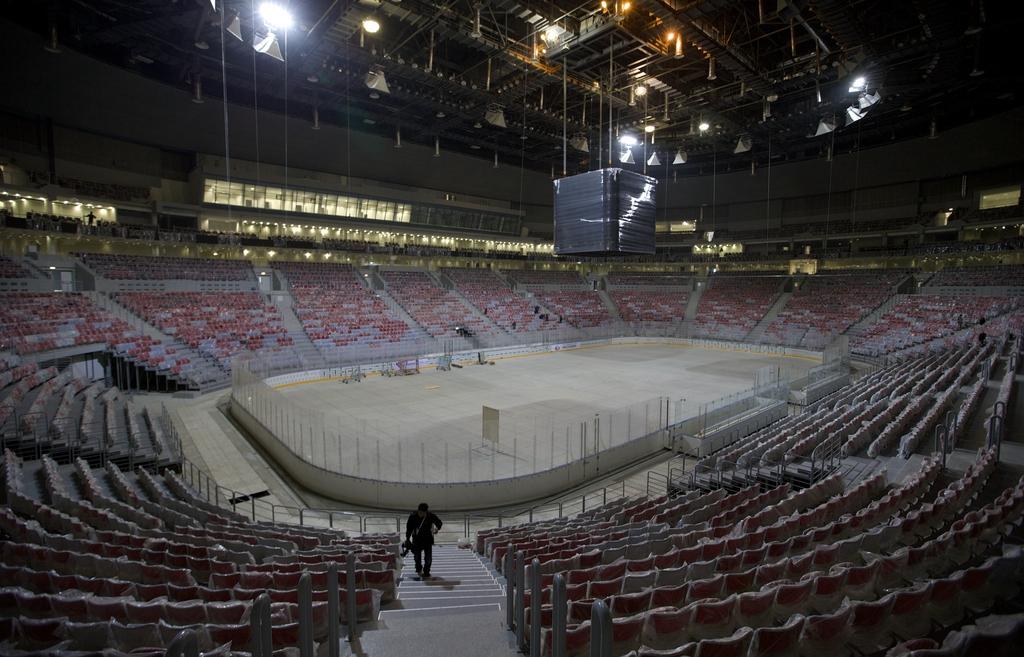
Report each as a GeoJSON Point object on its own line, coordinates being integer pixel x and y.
{"type": "Point", "coordinates": [275, 16]}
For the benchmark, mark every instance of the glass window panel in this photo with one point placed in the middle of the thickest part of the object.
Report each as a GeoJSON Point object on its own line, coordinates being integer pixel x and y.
{"type": "Point", "coordinates": [999, 198]}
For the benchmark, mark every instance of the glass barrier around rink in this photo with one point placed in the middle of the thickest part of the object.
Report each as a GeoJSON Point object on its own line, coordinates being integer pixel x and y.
{"type": "Point", "coordinates": [386, 449]}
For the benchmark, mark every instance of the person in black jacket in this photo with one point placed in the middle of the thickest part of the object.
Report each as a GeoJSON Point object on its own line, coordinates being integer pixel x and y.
{"type": "Point", "coordinates": [419, 535]}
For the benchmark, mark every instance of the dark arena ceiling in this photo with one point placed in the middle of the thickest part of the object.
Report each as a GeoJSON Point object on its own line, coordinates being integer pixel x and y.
{"type": "Point", "coordinates": [763, 70]}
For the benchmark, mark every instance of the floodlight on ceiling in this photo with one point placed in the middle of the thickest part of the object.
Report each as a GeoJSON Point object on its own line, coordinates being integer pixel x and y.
{"type": "Point", "coordinates": [825, 126]}
{"type": "Point", "coordinates": [371, 25]}
{"type": "Point", "coordinates": [268, 45]}
{"type": "Point", "coordinates": [649, 128]}
{"type": "Point", "coordinates": [743, 145]}
{"type": "Point", "coordinates": [680, 157]}
{"type": "Point", "coordinates": [858, 85]}
{"type": "Point", "coordinates": [854, 114]}
{"type": "Point", "coordinates": [703, 126]}
{"type": "Point", "coordinates": [653, 160]}
{"type": "Point", "coordinates": [867, 100]}
{"type": "Point", "coordinates": [495, 115]}
{"type": "Point", "coordinates": [234, 27]}
{"type": "Point", "coordinates": [626, 157]}
{"type": "Point", "coordinates": [628, 140]}
{"type": "Point", "coordinates": [375, 80]}
{"type": "Point", "coordinates": [579, 142]}
{"type": "Point", "coordinates": [276, 17]}
{"type": "Point", "coordinates": [640, 90]}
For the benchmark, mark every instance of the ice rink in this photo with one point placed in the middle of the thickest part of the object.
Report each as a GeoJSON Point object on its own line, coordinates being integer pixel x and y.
{"type": "Point", "coordinates": [428, 427]}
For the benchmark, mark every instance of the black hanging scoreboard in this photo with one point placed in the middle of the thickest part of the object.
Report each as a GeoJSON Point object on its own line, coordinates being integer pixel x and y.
{"type": "Point", "coordinates": [605, 212]}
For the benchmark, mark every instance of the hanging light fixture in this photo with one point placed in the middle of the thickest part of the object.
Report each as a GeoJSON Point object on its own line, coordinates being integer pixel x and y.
{"type": "Point", "coordinates": [495, 115]}
{"type": "Point", "coordinates": [437, 146]}
{"type": "Point", "coordinates": [579, 142]}
{"type": "Point", "coordinates": [933, 129]}
{"type": "Point", "coordinates": [679, 54]}
{"type": "Point", "coordinates": [626, 157]}
{"type": "Point", "coordinates": [712, 75]}
{"type": "Point", "coordinates": [743, 145]}
{"type": "Point", "coordinates": [825, 126]}
{"type": "Point", "coordinates": [854, 114]}
{"type": "Point", "coordinates": [398, 136]}
{"type": "Point", "coordinates": [276, 19]}
{"type": "Point", "coordinates": [371, 25]}
{"type": "Point", "coordinates": [680, 157]}
{"type": "Point", "coordinates": [197, 89]}
{"type": "Point", "coordinates": [316, 118]}
{"type": "Point", "coordinates": [376, 81]}
{"type": "Point", "coordinates": [495, 159]}
{"type": "Point", "coordinates": [653, 160]}
{"type": "Point", "coordinates": [867, 100]}
{"type": "Point", "coordinates": [234, 27]}
{"type": "Point", "coordinates": [268, 45]}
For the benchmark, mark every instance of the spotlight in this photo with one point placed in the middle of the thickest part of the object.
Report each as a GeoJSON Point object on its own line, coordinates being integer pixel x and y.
{"type": "Point", "coordinates": [579, 142]}
{"type": "Point", "coordinates": [859, 83]}
{"type": "Point", "coordinates": [854, 114]}
{"type": "Point", "coordinates": [268, 45]}
{"type": "Point", "coordinates": [275, 16]}
{"type": "Point", "coordinates": [551, 34]}
{"type": "Point", "coordinates": [679, 48]}
{"type": "Point", "coordinates": [375, 80]}
{"type": "Point", "coordinates": [640, 90]}
{"type": "Point", "coordinates": [628, 140]}
{"type": "Point", "coordinates": [825, 126]}
{"type": "Point", "coordinates": [234, 27]}
{"type": "Point", "coordinates": [867, 100]}
{"type": "Point", "coordinates": [704, 126]}
{"type": "Point", "coordinates": [680, 157]}
{"type": "Point", "coordinates": [495, 115]}
{"type": "Point", "coordinates": [370, 25]}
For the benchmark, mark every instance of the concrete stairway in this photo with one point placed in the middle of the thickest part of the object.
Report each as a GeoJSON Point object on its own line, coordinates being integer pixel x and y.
{"type": "Point", "coordinates": [758, 331]}
{"type": "Point", "coordinates": [613, 310]}
{"type": "Point", "coordinates": [872, 317]}
{"type": "Point", "coordinates": [471, 309]}
{"type": "Point", "coordinates": [417, 330]}
{"type": "Point", "coordinates": [691, 304]}
{"type": "Point", "coordinates": [459, 610]}
{"type": "Point", "coordinates": [306, 352]}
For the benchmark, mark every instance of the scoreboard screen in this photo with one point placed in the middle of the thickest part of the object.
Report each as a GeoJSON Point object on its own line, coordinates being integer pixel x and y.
{"type": "Point", "coordinates": [605, 212]}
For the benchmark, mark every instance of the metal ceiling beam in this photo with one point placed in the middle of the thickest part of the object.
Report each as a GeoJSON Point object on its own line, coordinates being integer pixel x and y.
{"type": "Point", "coordinates": [694, 25]}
